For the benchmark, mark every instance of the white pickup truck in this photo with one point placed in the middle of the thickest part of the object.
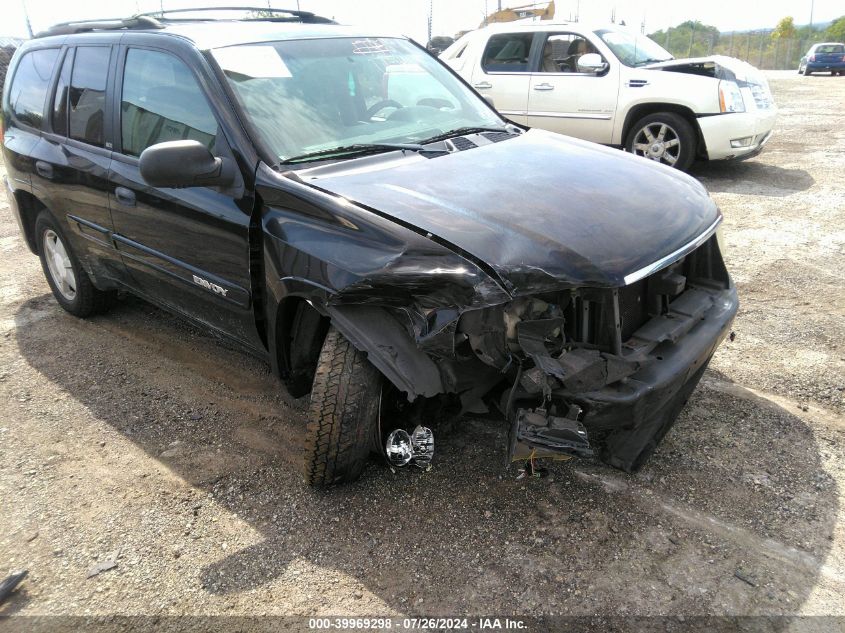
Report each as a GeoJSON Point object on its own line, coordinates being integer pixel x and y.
{"type": "Point", "coordinates": [615, 87]}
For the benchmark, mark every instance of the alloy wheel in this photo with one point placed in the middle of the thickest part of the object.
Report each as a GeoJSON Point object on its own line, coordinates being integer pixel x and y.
{"type": "Point", "coordinates": [59, 265]}
{"type": "Point", "coordinates": [659, 142]}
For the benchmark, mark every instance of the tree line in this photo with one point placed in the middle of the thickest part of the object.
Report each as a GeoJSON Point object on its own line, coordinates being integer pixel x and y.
{"type": "Point", "coordinates": [776, 48]}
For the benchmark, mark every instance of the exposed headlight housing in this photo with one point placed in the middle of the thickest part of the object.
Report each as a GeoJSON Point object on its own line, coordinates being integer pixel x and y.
{"type": "Point", "coordinates": [730, 97]}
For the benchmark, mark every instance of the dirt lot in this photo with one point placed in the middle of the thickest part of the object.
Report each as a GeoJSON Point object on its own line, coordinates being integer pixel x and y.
{"type": "Point", "coordinates": [135, 438]}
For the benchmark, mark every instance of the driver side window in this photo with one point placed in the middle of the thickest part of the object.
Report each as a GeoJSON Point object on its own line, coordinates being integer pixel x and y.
{"type": "Point", "coordinates": [162, 101]}
{"type": "Point", "coordinates": [561, 52]}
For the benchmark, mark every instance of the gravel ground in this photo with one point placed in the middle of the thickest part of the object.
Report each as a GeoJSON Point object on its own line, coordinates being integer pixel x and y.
{"type": "Point", "coordinates": [137, 447]}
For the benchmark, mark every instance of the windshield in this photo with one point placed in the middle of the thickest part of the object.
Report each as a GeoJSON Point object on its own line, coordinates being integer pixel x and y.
{"type": "Point", "coordinates": [307, 96]}
{"type": "Point", "coordinates": [633, 49]}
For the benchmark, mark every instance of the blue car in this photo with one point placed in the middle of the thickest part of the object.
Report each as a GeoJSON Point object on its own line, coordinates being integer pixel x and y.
{"type": "Point", "coordinates": [824, 57]}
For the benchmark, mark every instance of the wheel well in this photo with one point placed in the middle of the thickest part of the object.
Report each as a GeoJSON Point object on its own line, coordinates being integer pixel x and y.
{"type": "Point", "coordinates": [644, 109]}
{"type": "Point", "coordinates": [300, 332]}
{"type": "Point", "coordinates": [29, 207]}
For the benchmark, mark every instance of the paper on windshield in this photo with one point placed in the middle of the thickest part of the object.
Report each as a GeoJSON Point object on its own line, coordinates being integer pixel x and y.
{"type": "Point", "coordinates": [252, 61]}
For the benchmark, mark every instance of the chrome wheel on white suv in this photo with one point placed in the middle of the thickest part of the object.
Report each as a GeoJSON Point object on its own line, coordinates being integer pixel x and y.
{"type": "Point", "coordinates": [664, 137]}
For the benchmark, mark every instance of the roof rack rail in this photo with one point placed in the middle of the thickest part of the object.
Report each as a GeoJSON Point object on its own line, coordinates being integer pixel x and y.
{"type": "Point", "coordinates": [262, 15]}
{"type": "Point", "coordinates": [83, 26]}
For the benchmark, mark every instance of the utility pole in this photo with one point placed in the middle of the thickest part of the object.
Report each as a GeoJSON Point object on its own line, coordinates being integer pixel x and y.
{"type": "Point", "coordinates": [691, 38]}
{"type": "Point", "coordinates": [430, 14]}
{"type": "Point", "coordinates": [26, 17]}
{"type": "Point", "coordinates": [812, 2]}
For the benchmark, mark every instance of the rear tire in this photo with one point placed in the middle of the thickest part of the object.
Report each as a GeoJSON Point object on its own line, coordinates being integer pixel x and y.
{"type": "Point", "coordinates": [343, 414]}
{"type": "Point", "coordinates": [807, 72]}
{"type": "Point", "coordinates": [69, 282]}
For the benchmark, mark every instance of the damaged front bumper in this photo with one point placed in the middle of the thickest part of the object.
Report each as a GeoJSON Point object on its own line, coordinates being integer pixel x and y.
{"type": "Point", "coordinates": [631, 415]}
{"type": "Point", "coordinates": [586, 371]}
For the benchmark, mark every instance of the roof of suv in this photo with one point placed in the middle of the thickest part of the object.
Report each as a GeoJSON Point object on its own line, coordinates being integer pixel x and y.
{"type": "Point", "coordinates": [218, 33]}
{"type": "Point", "coordinates": [214, 34]}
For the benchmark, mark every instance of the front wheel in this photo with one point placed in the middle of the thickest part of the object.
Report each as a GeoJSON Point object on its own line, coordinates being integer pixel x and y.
{"type": "Point", "coordinates": [343, 414]}
{"type": "Point", "coordinates": [68, 280]}
{"type": "Point", "coordinates": [664, 137]}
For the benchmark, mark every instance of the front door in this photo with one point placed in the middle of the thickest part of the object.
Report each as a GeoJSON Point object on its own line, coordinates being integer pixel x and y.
{"type": "Point", "coordinates": [567, 98]}
{"type": "Point", "coordinates": [186, 248]}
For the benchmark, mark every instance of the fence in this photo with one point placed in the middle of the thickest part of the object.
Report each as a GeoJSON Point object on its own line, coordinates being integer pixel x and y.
{"type": "Point", "coordinates": [755, 47]}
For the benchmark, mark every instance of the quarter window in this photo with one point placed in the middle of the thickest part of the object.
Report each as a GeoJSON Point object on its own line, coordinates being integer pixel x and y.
{"type": "Point", "coordinates": [162, 101]}
{"type": "Point", "coordinates": [28, 92]}
{"type": "Point", "coordinates": [88, 94]}
{"type": "Point", "coordinates": [61, 98]}
{"type": "Point", "coordinates": [507, 52]}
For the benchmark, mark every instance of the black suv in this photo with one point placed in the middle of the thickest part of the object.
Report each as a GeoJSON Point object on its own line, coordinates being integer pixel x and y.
{"type": "Point", "coordinates": [344, 206]}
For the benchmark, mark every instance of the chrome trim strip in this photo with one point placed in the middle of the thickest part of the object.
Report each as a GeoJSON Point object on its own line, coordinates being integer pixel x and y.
{"type": "Point", "coordinates": [674, 256]}
{"type": "Point", "coordinates": [514, 112]}
{"type": "Point", "coordinates": [571, 115]}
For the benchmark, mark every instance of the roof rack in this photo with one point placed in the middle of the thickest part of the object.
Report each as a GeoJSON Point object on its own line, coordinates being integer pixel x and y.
{"type": "Point", "coordinates": [261, 14]}
{"type": "Point", "coordinates": [83, 26]}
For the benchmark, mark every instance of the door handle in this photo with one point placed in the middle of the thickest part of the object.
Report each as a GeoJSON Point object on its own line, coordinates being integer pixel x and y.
{"type": "Point", "coordinates": [45, 170]}
{"type": "Point", "coordinates": [125, 196]}
{"type": "Point", "coordinates": [544, 86]}
{"type": "Point", "coordinates": [482, 85]}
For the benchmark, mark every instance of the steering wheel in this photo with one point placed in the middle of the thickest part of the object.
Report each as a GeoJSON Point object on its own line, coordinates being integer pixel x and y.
{"type": "Point", "coordinates": [381, 105]}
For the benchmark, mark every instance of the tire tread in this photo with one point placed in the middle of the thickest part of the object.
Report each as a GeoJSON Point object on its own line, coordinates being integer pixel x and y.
{"type": "Point", "coordinates": [343, 409]}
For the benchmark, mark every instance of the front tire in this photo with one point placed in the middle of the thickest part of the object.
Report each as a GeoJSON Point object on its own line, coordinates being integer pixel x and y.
{"type": "Point", "coordinates": [343, 414]}
{"type": "Point", "coordinates": [69, 282]}
{"type": "Point", "coordinates": [664, 137]}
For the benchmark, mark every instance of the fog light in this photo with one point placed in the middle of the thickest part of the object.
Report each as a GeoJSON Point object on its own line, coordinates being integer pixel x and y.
{"type": "Point", "coordinates": [422, 441]}
{"type": "Point", "coordinates": [742, 142]}
{"type": "Point", "coordinates": [398, 449]}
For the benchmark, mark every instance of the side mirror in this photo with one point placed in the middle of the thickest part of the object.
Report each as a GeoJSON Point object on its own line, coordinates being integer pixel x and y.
{"type": "Point", "coordinates": [184, 164]}
{"type": "Point", "coordinates": [591, 63]}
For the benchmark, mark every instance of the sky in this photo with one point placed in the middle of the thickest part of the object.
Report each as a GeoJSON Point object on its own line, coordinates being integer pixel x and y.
{"type": "Point", "coordinates": [410, 17]}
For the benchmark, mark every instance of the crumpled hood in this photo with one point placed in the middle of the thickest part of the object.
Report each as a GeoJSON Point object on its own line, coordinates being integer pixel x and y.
{"type": "Point", "coordinates": [542, 210]}
{"type": "Point", "coordinates": [725, 67]}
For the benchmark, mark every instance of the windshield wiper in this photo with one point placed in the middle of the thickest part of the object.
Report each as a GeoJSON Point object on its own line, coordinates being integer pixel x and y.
{"type": "Point", "coordinates": [359, 149]}
{"type": "Point", "coordinates": [461, 131]}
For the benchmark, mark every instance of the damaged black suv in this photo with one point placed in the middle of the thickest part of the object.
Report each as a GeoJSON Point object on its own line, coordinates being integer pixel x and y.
{"type": "Point", "coordinates": [344, 206]}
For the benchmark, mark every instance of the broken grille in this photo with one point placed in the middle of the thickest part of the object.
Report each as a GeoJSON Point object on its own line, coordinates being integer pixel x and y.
{"type": "Point", "coordinates": [633, 311]}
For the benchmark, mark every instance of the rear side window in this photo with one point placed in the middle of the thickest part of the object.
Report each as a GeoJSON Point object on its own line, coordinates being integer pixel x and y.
{"type": "Point", "coordinates": [507, 52]}
{"type": "Point", "coordinates": [28, 92]}
{"type": "Point", "coordinates": [88, 94]}
{"type": "Point", "coordinates": [60, 100]}
{"type": "Point", "coordinates": [162, 101]}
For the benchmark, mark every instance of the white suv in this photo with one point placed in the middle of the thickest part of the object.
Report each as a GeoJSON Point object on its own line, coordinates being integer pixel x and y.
{"type": "Point", "coordinates": [611, 86]}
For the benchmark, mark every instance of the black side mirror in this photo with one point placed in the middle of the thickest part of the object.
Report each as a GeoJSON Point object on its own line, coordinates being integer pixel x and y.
{"type": "Point", "coordinates": [185, 164]}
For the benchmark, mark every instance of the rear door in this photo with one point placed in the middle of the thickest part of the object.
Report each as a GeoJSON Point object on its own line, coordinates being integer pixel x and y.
{"type": "Point", "coordinates": [188, 249]}
{"type": "Point", "coordinates": [502, 76]}
{"type": "Point", "coordinates": [71, 159]}
{"type": "Point", "coordinates": [564, 98]}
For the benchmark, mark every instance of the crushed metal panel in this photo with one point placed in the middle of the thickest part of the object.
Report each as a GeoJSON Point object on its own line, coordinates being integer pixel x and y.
{"type": "Point", "coordinates": [389, 348]}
